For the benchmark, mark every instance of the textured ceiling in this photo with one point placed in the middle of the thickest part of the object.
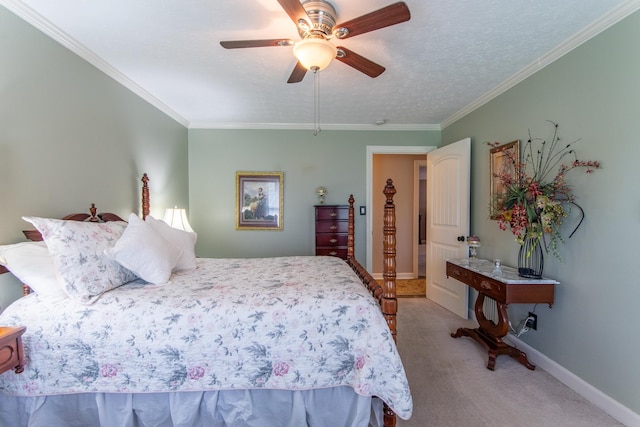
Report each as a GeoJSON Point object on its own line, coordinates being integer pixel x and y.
{"type": "Point", "coordinates": [452, 56]}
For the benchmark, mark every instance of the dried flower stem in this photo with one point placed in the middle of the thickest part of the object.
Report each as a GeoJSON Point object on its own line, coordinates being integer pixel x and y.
{"type": "Point", "coordinates": [535, 203]}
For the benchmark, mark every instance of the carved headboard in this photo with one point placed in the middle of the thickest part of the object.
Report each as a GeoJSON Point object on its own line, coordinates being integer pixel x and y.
{"type": "Point", "coordinates": [92, 216]}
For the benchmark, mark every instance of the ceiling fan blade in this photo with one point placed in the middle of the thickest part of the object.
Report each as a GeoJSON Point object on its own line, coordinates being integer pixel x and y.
{"type": "Point", "coordinates": [297, 74]}
{"type": "Point", "coordinates": [358, 62]}
{"type": "Point", "coordinates": [238, 44]}
{"type": "Point", "coordinates": [295, 10]}
{"type": "Point", "coordinates": [385, 17]}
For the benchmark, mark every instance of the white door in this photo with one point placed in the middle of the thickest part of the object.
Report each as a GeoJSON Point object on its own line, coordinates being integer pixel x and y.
{"type": "Point", "coordinates": [447, 222]}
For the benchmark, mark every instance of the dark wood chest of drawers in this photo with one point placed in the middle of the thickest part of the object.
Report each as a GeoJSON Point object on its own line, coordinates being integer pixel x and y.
{"type": "Point", "coordinates": [332, 227]}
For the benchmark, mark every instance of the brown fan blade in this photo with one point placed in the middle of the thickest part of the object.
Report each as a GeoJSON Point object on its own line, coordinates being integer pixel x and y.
{"type": "Point", "coordinates": [239, 44]}
{"type": "Point", "coordinates": [358, 62]}
{"type": "Point", "coordinates": [295, 10]}
{"type": "Point", "coordinates": [385, 17]}
{"type": "Point", "coordinates": [297, 74]}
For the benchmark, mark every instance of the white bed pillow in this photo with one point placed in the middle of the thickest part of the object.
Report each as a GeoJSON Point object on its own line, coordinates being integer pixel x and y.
{"type": "Point", "coordinates": [185, 240]}
{"type": "Point", "coordinates": [77, 249]}
{"type": "Point", "coordinates": [32, 264]}
{"type": "Point", "coordinates": [145, 252]}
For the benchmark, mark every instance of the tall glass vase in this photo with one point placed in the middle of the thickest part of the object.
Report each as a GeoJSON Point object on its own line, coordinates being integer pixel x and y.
{"type": "Point", "coordinates": [531, 259]}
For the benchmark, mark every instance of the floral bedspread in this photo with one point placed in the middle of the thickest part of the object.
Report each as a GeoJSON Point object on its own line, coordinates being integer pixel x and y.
{"type": "Point", "coordinates": [292, 323]}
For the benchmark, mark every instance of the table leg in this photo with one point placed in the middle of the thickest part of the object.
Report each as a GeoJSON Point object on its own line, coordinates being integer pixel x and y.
{"type": "Point", "coordinates": [490, 334]}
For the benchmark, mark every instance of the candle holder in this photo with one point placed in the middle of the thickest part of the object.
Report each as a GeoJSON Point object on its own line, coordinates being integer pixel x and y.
{"type": "Point", "coordinates": [474, 243]}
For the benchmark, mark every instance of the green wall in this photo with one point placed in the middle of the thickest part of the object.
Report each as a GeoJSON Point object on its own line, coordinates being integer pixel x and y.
{"type": "Point", "coordinates": [333, 159]}
{"type": "Point", "coordinates": [71, 136]}
{"type": "Point", "coordinates": [594, 94]}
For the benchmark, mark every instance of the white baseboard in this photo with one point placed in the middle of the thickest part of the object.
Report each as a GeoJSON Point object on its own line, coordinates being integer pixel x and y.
{"type": "Point", "coordinates": [609, 405]}
{"type": "Point", "coordinates": [603, 401]}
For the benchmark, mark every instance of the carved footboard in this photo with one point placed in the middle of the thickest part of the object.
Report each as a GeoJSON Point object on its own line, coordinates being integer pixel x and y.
{"type": "Point", "coordinates": [385, 294]}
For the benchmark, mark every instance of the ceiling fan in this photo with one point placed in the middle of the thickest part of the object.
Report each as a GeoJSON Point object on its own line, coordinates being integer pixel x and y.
{"type": "Point", "coordinates": [316, 23]}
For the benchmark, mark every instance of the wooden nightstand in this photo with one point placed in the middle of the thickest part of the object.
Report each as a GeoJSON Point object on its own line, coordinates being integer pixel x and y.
{"type": "Point", "coordinates": [11, 355]}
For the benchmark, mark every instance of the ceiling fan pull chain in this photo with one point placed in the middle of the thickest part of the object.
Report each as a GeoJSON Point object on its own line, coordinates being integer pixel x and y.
{"type": "Point", "coordinates": [316, 102]}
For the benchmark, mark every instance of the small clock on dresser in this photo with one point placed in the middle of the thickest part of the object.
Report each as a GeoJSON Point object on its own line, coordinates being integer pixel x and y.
{"type": "Point", "coordinates": [11, 354]}
{"type": "Point", "coordinates": [332, 227]}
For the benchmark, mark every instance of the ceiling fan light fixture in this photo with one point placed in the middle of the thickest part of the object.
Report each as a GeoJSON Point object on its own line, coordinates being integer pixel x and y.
{"type": "Point", "coordinates": [315, 53]}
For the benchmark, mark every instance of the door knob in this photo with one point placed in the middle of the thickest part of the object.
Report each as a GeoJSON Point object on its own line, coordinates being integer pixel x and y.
{"type": "Point", "coordinates": [460, 238]}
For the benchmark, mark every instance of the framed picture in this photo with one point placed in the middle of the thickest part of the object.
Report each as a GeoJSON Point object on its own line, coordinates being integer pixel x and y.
{"type": "Point", "coordinates": [505, 160]}
{"type": "Point", "coordinates": [259, 200]}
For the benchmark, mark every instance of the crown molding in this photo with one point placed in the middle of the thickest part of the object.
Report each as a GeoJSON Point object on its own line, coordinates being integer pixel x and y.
{"type": "Point", "coordinates": [576, 40]}
{"type": "Point", "coordinates": [45, 26]}
{"type": "Point", "coordinates": [36, 20]}
{"type": "Point", "coordinates": [310, 127]}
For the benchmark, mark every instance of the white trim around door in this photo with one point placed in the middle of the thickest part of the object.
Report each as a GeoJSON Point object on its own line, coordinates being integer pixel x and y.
{"type": "Point", "coordinates": [383, 149]}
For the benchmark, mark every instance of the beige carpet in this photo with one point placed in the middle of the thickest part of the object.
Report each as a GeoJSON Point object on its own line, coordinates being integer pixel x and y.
{"type": "Point", "coordinates": [411, 287]}
{"type": "Point", "coordinates": [451, 385]}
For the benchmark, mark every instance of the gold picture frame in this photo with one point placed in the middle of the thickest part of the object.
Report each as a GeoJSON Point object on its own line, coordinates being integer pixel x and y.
{"type": "Point", "coordinates": [505, 160]}
{"type": "Point", "coordinates": [259, 200]}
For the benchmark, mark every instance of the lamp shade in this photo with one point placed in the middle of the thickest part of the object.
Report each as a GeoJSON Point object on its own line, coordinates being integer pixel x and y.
{"type": "Point", "coordinates": [177, 218]}
{"type": "Point", "coordinates": [315, 53]}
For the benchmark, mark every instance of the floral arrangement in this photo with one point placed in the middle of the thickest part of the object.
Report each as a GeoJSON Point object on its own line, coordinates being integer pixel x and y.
{"type": "Point", "coordinates": [535, 202]}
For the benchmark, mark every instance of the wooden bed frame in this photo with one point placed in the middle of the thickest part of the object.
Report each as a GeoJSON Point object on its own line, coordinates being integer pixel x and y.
{"type": "Point", "coordinates": [385, 294]}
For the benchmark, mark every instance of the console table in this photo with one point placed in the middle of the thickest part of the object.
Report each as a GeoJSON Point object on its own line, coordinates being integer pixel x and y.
{"type": "Point", "coordinates": [504, 290]}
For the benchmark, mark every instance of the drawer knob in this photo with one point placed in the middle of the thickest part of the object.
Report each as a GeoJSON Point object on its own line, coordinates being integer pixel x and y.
{"type": "Point", "coordinates": [333, 214]}
{"type": "Point", "coordinates": [333, 227]}
{"type": "Point", "coordinates": [333, 253]}
{"type": "Point", "coordinates": [333, 240]}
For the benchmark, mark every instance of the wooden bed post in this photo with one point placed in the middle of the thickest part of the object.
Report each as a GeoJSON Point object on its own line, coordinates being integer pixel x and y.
{"type": "Point", "coordinates": [350, 230]}
{"type": "Point", "coordinates": [389, 300]}
{"type": "Point", "coordinates": [385, 294]}
{"type": "Point", "coordinates": [145, 196]}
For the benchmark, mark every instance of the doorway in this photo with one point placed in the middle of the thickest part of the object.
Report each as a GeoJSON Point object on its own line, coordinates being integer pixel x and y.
{"type": "Point", "coordinates": [448, 171]}
{"type": "Point", "coordinates": [420, 217]}
{"type": "Point", "coordinates": [407, 201]}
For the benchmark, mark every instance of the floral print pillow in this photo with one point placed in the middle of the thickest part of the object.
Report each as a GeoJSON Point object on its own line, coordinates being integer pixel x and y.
{"type": "Point", "coordinates": [78, 249]}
